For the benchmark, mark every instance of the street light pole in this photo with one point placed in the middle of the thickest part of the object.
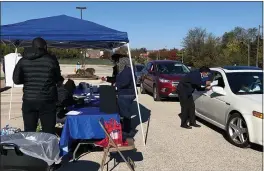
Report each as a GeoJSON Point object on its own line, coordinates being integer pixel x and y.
{"type": "Point", "coordinates": [81, 9]}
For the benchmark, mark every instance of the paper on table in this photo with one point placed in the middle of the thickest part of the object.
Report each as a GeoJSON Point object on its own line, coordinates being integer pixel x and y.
{"type": "Point", "coordinates": [73, 112]}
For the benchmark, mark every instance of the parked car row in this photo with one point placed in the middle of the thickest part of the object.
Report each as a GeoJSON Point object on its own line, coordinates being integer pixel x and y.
{"type": "Point", "coordinates": [234, 103]}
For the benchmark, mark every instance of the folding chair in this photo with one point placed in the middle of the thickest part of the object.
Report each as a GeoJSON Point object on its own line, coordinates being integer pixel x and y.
{"type": "Point", "coordinates": [112, 147]}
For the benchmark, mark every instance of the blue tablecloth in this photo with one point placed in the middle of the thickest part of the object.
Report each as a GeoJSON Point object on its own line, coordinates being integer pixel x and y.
{"type": "Point", "coordinates": [84, 126]}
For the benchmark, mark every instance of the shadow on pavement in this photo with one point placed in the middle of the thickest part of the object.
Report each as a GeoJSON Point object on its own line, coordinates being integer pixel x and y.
{"type": "Point", "coordinates": [255, 147]}
{"type": "Point", "coordinates": [145, 116]}
{"type": "Point", "coordinates": [4, 89]}
{"type": "Point", "coordinates": [80, 165]}
{"type": "Point", "coordinates": [116, 158]}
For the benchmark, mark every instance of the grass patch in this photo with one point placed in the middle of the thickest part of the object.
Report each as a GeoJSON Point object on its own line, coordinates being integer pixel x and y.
{"type": "Point", "coordinates": [88, 61]}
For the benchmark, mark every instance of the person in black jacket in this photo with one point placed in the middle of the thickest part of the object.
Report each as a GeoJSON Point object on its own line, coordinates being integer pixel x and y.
{"type": "Point", "coordinates": [39, 72]}
{"type": "Point", "coordinates": [198, 80]}
{"type": "Point", "coordinates": [126, 93]}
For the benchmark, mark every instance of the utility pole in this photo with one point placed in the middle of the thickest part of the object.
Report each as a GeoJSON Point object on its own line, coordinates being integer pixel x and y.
{"type": "Point", "coordinates": [258, 45]}
{"type": "Point", "coordinates": [182, 55]}
{"type": "Point", "coordinates": [248, 45]}
{"type": "Point", "coordinates": [249, 54]}
{"type": "Point", "coordinates": [81, 9]}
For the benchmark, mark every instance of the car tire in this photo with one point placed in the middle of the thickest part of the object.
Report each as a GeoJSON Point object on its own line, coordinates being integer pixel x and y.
{"type": "Point", "coordinates": [237, 131]}
{"type": "Point", "coordinates": [156, 95]}
{"type": "Point", "coordinates": [142, 89]}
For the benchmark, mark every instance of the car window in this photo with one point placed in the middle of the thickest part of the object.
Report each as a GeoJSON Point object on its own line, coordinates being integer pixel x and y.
{"type": "Point", "coordinates": [139, 68]}
{"type": "Point", "coordinates": [148, 66]}
{"type": "Point", "coordinates": [172, 68]}
{"type": "Point", "coordinates": [217, 76]}
{"type": "Point", "coordinates": [242, 83]}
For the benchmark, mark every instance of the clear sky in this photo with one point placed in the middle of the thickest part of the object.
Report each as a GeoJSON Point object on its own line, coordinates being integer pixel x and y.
{"type": "Point", "coordinates": [149, 24]}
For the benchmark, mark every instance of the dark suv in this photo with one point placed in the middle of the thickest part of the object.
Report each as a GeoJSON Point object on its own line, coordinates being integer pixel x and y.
{"type": "Point", "coordinates": [161, 77]}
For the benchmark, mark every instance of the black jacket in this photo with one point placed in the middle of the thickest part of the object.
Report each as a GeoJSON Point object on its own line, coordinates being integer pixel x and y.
{"type": "Point", "coordinates": [39, 72]}
{"type": "Point", "coordinates": [124, 82]}
{"type": "Point", "coordinates": [112, 79]}
{"type": "Point", "coordinates": [190, 82]}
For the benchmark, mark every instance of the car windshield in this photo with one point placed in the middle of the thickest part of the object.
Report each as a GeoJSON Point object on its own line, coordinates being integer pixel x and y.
{"type": "Point", "coordinates": [172, 68]}
{"type": "Point", "coordinates": [139, 68]}
{"type": "Point", "coordinates": [242, 83]}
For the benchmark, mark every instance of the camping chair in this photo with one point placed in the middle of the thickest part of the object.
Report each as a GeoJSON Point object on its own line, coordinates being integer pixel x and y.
{"type": "Point", "coordinates": [112, 147]}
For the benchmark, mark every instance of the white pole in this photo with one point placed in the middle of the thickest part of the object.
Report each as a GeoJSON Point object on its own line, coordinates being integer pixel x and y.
{"type": "Point", "coordinates": [134, 80]}
{"type": "Point", "coordinates": [11, 93]}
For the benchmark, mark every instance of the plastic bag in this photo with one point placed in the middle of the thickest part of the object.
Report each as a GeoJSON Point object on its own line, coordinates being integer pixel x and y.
{"type": "Point", "coordinates": [114, 129]}
{"type": "Point", "coordinates": [43, 146]}
{"type": "Point", "coordinates": [9, 130]}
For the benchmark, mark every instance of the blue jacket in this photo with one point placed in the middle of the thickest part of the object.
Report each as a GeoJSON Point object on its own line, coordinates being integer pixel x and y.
{"type": "Point", "coordinates": [192, 81]}
{"type": "Point", "coordinates": [124, 82]}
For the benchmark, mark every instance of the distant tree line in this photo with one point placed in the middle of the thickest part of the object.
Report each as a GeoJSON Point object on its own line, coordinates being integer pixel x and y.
{"type": "Point", "coordinates": [199, 48]}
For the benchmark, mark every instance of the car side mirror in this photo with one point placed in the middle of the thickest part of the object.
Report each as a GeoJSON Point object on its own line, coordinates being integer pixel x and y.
{"type": "Point", "coordinates": [219, 90]}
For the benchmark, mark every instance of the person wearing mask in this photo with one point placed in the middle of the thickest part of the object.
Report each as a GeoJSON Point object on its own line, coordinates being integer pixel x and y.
{"type": "Point", "coordinates": [198, 80]}
{"type": "Point", "coordinates": [115, 58]}
{"type": "Point", "coordinates": [126, 93]}
{"type": "Point", "coordinates": [39, 72]}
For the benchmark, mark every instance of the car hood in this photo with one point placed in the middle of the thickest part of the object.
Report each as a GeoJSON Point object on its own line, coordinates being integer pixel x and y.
{"type": "Point", "coordinates": [172, 76]}
{"type": "Point", "coordinates": [256, 98]}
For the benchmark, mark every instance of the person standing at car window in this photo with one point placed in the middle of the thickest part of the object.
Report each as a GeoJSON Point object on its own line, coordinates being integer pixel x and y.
{"type": "Point", "coordinates": [39, 72]}
{"type": "Point", "coordinates": [198, 80]}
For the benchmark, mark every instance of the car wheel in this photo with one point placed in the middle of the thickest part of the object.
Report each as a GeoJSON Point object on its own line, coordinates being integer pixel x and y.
{"type": "Point", "coordinates": [237, 132]}
{"type": "Point", "coordinates": [156, 95]}
{"type": "Point", "coordinates": [142, 90]}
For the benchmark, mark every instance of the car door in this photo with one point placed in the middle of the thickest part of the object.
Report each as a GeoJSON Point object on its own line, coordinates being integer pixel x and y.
{"type": "Point", "coordinates": [215, 105]}
{"type": "Point", "coordinates": [199, 99]}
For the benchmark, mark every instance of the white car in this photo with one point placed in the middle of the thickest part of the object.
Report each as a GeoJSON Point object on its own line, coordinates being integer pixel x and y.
{"type": "Point", "coordinates": [234, 104]}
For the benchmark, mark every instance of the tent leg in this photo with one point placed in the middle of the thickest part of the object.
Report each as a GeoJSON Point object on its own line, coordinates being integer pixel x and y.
{"type": "Point", "coordinates": [11, 93]}
{"type": "Point", "coordinates": [135, 85]}
{"type": "Point", "coordinates": [10, 103]}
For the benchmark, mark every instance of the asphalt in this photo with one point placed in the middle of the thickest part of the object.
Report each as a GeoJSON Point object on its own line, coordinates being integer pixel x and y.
{"type": "Point", "coordinates": [168, 147]}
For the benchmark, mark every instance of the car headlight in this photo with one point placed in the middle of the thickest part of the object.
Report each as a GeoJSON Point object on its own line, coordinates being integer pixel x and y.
{"type": "Point", "coordinates": [164, 80]}
{"type": "Point", "coordinates": [257, 114]}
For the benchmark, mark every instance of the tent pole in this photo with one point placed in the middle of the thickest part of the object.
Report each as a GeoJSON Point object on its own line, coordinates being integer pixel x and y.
{"type": "Point", "coordinates": [11, 93]}
{"type": "Point", "coordinates": [134, 80]}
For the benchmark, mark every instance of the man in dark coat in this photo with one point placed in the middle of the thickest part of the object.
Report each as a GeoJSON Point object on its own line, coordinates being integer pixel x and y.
{"type": "Point", "coordinates": [198, 80]}
{"type": "Point", "coordinates": [39, 72]}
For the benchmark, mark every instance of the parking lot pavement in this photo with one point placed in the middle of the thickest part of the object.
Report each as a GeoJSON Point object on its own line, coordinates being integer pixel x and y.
{"type": "Point", "coordinates": [168, 147]}
{"type": "Point", "coordinates": [171, 148]}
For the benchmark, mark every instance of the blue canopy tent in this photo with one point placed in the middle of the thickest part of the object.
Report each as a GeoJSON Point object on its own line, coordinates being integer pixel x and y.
{"type": "Point", "coordinates": [66, 32]}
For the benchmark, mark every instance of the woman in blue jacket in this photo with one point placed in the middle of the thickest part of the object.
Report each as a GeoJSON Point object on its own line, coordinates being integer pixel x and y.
{"type": "Point", "coordinates": [126, 92]}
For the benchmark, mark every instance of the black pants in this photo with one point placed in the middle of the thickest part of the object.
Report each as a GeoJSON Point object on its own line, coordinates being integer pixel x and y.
{"type": "Point", "coordinates": [35, 110]}
{"type": "Point", "coordinates": [124, 103]}
{"type": "Point", "coordinates": [187, 109]}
